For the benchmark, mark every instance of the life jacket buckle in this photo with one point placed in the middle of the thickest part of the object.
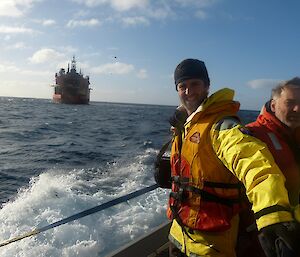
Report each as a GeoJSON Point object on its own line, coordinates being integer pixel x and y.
{"type": "Point", "coordinates": [176, 179]}
{"type": "Point", "coordinates": [179, 180]}
{"type": "Point", "coordinates": [178, 196]}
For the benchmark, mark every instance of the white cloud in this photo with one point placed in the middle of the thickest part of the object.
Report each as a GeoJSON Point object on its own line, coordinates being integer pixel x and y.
{"type": "Point", "coordinates": [201, 14]}
{"type": "Point", "coordinates": [119, 5]}
{"type": "Point", "coordinates": [48, 22]}
{"type": "Point", "coordinates": [142, 74]}
{"type": "Point", "coordinates": [91, 3]}
{"type": "Point", "coordinates": [45, 22]}
{"type": "Point", "coordinates": [36, 73]}
{"type": "Point", "coordinates": [133, 21]}
{"type": "Point", "coordinates": [15, 8]}
{"type": "Point", "coordinates": [151, 9]}
{"type": "Point", "coordinates": [263, 83]}
{"type": "Point", "coordinates": [119, 68]}
{"type": "Point", "coordinates": [18, 45]}
{"type": "Point", "coordinates": [83, 23]}
{"type": "Point", "coordinates": [25, 88]}
{"type": "Point", "coordinates": [11, 68]}
{"type": "Point", "coordinates": [113, 68]}
{"type": "Point", "coordinates": [197, 3]}
{"type": "Point", "coordinates": [9, 8]}
{"type": "Point", "coordinates": [15, 30]}
{"type": "Point", "coordinates": [81, 13]}
{"type": "Point", "coordinates": [160, 13]}
{"type": "Point", "coordinates": [45, 55]}
{"type": "Point", "coordinates": [199, 6]}
{"type": "Point", "coordinates": [6, 67]}
{"type": "Point", "coordinates": [125, 5]}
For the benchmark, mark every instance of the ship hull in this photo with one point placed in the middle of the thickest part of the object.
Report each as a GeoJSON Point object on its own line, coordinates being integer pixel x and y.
{"type": "Point", "coordinates": [60, 99]}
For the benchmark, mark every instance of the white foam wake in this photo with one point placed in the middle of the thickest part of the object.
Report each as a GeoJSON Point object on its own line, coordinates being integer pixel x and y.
{"type": "Point", "coordinates": [57, 194]}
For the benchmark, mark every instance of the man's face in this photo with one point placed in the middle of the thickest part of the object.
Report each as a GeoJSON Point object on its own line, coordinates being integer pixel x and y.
{"type": "Point", "coordinates": [287, 107]}
{"type": "Point", "coordinates": [191, 93]}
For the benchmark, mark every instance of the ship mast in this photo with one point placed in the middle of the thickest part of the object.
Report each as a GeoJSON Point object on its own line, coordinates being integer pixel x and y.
{"type": "Point", "coordinates": [73, 64]}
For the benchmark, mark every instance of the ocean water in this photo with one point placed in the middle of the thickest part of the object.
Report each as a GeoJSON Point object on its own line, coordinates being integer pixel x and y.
{"type": "Point", "coordinates": [57, 160]}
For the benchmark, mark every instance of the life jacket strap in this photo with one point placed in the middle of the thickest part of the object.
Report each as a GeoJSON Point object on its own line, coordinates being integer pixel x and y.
{"type": "Point", "coordinates": [211, 197]}
{"type": "Point", "coordinates": [183, 185]}
{"type": "Point", "coordinates": [181, 180]}
{"type": "Point", "coordinates": [180, 197]}
{"type": "Point", "coordinates": [238, 185]}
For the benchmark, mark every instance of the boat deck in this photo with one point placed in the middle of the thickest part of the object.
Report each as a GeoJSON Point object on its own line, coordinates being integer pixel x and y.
{"type": "Point", "coordinates": [153, 244]}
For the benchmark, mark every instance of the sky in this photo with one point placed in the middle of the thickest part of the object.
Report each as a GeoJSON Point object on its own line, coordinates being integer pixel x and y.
{"type": "Point", "coordinates": [130, 48]}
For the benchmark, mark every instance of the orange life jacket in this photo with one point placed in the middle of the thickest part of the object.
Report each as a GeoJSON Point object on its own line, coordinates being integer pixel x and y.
{"type": "Point", "coordinates": [205, 194]}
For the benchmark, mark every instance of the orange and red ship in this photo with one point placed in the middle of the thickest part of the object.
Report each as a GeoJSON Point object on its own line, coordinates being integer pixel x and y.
{"type": "Point", "coordinates": [71, 87]}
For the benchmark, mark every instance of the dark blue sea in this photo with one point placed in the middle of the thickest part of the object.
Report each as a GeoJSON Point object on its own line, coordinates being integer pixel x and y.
{"type": "Point", "coordinates": [57, 160]}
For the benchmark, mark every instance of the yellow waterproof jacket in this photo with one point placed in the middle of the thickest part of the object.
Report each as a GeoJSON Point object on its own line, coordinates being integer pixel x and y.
{"type": "Point", "coordinates": [205, 194]}
{"type": "Point", "coordinates": [249, 160]}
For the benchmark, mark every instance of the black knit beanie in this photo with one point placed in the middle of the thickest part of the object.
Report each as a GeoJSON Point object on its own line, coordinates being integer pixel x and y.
{"type": "Point", "coordinates": [191, 69]}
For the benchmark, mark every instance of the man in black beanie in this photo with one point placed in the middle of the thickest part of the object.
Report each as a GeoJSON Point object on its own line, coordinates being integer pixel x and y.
{"type": "Point", "coordinates": [214, 161]}
{"type": "Point", "coordinates": [194, 72]}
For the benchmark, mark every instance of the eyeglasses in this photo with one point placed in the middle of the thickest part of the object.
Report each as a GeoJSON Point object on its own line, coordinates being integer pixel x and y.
{"type": "Point", "coordinates": [182, 86]}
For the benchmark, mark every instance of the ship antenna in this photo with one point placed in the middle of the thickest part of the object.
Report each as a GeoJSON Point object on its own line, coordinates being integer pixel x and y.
{"type": "Point", "coordinates": [73, 65]}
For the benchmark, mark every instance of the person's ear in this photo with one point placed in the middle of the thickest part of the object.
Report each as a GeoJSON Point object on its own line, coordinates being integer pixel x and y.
{"type": "Point", "coordinates": [272, 105]}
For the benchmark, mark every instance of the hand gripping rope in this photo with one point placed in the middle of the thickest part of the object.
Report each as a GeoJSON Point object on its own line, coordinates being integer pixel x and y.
{"type": "Point", "coordinates": [82, 214]}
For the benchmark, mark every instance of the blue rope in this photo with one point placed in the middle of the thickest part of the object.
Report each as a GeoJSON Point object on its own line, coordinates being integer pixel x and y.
{"type": "Point", "coordinates": [83, 213]}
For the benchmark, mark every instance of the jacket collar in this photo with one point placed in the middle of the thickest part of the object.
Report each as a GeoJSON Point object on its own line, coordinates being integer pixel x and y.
{"type": "Point", "coordinates": [220, 96]}
{"type": "Point", "coordinates": [268, 119]}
